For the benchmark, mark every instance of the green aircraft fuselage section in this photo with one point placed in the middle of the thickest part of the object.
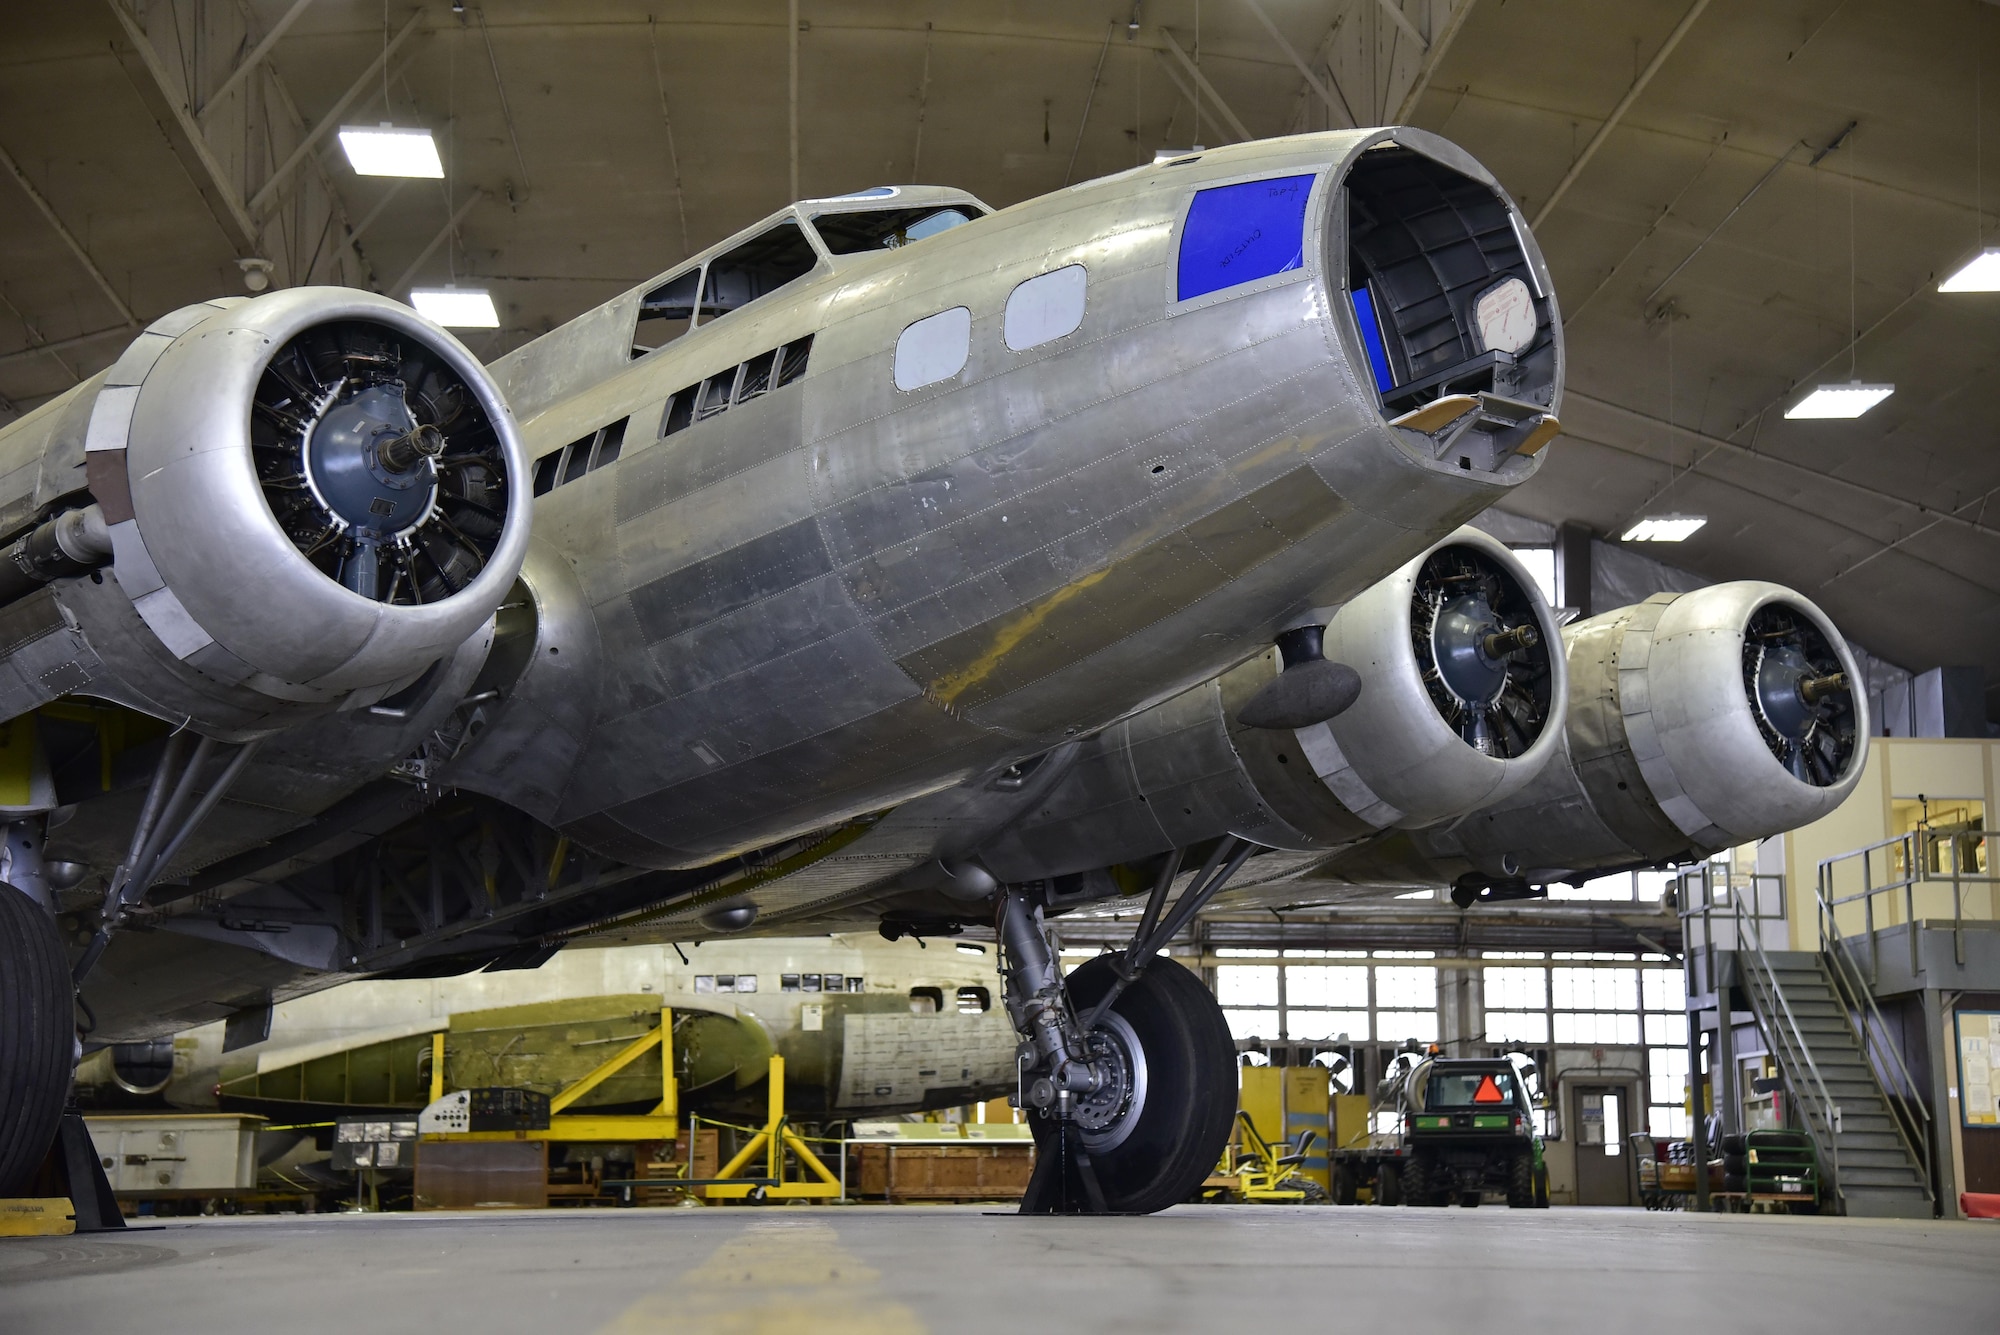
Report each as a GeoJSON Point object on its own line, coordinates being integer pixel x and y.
{"type": "Point", "coordinates": [720, 1061]}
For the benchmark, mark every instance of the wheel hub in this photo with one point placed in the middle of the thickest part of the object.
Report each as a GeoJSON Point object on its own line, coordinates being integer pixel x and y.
{"type": "Point", "coordinates": [1107, 1114]}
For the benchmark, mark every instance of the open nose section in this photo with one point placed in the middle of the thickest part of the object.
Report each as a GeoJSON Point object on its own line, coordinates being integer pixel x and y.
{"type": "Point", "coordinates": [1460, 332]}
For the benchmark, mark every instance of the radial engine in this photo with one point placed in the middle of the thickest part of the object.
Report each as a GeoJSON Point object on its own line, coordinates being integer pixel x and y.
{"type": "Point", "coordinates": [1697, 722]}
{"type": "Point", "coordinates": [1463, 694]}
{"type": "Point", "coordinates": [266, 507]}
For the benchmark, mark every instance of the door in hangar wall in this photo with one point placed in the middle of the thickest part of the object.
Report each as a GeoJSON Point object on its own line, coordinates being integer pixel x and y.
{"type": "Point", "coordinates": [1603, 1158]}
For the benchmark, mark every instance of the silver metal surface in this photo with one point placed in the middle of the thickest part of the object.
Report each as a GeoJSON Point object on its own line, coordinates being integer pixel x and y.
{"type": "Point", "coordinates": [1390, 757]}
{"type": "Point", "coordinates": [1662, 757]}
{"type": "Point", "coordinates": [238, 579]}
{"type": "Point", "coordinates": [840, 651]}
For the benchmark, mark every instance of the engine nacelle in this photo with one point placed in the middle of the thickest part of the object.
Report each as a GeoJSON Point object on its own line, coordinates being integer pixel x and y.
{"type": "Point", "coordinates": [1462, 700]}
{"type": "Point", "coordinates": [1462, 689]}
{"type": "Point", "coordinates": [1697, 722]}
{"type": "Point", "coordinates": [308, 494]}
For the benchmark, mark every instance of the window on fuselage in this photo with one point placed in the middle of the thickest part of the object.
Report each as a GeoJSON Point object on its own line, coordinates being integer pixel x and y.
{"type": "Point", "coordinates": [760, 266]}
{"type": "Point", "coordinates": [665, 313]}
{"type": "Point", "coordinates": [757, 268]}
{"type": "Point", "coordinates": [887, 229]}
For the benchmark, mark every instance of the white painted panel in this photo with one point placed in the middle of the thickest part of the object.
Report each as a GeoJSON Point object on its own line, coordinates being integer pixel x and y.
{"type": "Point", "coordinates": [934, 348]}
{"type": "Point", "coordinates": [1505, 314]}
{"type": "Point", "coordinates": [1044, 308]}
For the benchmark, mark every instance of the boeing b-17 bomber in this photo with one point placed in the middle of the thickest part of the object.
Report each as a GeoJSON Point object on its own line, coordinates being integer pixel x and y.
{"type": "Point", "coordinates": [895, 564]}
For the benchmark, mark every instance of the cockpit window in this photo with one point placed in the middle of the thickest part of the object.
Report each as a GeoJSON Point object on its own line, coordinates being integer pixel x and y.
{"type": "Point", "coordinates": [886, 229]}
{"type": "Point", "coordinates": [730, 281]}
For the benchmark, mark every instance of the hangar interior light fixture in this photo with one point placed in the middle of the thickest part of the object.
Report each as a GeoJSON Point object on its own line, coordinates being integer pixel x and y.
{"type": "Point", "coordinates": [386, 150]}
{"type": "Point", "coordinates": [457, 307]}
{"type": "Point", "coordinates": [1849, 400]}
{"type": "Point", "coordinates": [1664, 528]}
{"type": "Point", "coordinates": [1981, 273]}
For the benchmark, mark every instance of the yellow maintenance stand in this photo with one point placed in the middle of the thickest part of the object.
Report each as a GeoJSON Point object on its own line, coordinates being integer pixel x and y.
{"type": "Point", "coordinates": [774, 1139]}
{"type": "Point", "coordinates": [663, 1123]}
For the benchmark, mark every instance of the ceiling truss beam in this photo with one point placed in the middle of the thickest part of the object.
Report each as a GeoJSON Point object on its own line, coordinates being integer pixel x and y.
{"type": "Point", "coordinates": [48, 212]}
{"type": "Point", "coordinates": [1402, 20]}
{"type": "Point", "coordinates": [261, 202]}
{"type": "Point", "coordinates": [249, 63]}
{"type": "Point", "coordinates": [444, 233]}
{"type": "Point", "coordinates": [169, 109]}
{"type": "Point", "coordinates": [1440, 44]}
{"type": "Point", "coordinates": [1335, 100]}
{"type": "Point", "coordinates": [1201, 82]}
{"type": "Point", "coordinates": [1618, 112]}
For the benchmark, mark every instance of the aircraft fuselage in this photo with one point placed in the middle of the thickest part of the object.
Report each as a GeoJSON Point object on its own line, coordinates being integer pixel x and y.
{"type": "Point", "coordinates": [846, 592]}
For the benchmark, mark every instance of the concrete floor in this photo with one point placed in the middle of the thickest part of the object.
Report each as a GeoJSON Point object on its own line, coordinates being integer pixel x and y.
{"type": "Point", "coordinates": [896, 1271]}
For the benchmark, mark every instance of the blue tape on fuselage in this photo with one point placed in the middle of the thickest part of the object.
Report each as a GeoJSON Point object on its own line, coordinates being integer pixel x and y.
{"type": "Point", "coordinates": [1236, 234]}
{"type": "Point", "coordinates": [1371, 337]}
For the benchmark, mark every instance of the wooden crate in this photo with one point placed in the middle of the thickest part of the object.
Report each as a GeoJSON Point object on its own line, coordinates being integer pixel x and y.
{"type": "Point", "coordinates": [707, 1155]}
{"type": "Point", "coordinates": [894, 1171]}
{"type": "Point", "coordinates": [482, 1175]}
{"type": "Point", "coordinates": [706, 1162]}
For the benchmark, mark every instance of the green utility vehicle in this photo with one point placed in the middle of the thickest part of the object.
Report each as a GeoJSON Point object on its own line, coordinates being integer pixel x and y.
{"type": "Point", "coordinates": [1468, 1126]}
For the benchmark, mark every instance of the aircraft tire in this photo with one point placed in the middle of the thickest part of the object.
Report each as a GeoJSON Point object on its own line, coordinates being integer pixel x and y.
{"type": "Point", "coordinates": [1190, 1107]}
{"type": "Point", "coordinates": [37, 1037]}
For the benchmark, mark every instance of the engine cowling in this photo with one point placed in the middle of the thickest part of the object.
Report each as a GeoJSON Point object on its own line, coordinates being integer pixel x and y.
{"type": "Point", "coordinates": [1458, 707]}
{"type": "Point", "coordinates": [1697, 722]}
{"type": "Point", "coordinates": [309, 493]}
{"type": "Point", "coordinates": [1463, 689]}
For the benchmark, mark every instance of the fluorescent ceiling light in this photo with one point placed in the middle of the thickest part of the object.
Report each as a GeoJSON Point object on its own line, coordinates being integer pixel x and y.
{"type": "Point", "coordinates": [1981, 273]}
{"type": "Point", "coordinates": [1849, 400]}
{"type": "Point", "coordinates": [384, 150]}
{"type": "Point", "coordinates": [457, 307]}
{"type": "Point", "coordinates": [1664, 528]}
{"type": "Point", "coordinates": [968, 948]}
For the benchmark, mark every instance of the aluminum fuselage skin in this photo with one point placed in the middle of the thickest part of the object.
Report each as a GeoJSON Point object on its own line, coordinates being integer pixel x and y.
{"type": "Point", "coordinates": [842, 595]}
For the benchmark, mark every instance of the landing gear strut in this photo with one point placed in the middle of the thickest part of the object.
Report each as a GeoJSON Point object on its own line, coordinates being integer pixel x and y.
{"type": "Point", "coordinates": [1126, 1067]}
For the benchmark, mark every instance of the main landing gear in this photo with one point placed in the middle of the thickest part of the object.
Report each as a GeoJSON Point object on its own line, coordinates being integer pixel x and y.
{"type": "Point", "coordinates": [1127, 1068]}
{"type": "Point", "coordinates": [38, 985]}
{"type": "Point", "coordinates": [37, 1037]}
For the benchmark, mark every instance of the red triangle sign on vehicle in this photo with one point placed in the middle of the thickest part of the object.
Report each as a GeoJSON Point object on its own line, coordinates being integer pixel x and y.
{"type": "Point", "coordinates": [1488, 1092]}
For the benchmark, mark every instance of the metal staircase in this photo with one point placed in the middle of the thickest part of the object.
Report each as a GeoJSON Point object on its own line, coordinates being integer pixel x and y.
{"type": "Point", "coordinates": [1849, 1087]}
{"type": "Point", "coordinates": [1859, 1130]}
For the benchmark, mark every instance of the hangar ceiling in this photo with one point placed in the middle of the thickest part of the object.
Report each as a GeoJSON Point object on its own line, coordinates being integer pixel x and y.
{"type": "Point", "coordinates": [1738, 201]}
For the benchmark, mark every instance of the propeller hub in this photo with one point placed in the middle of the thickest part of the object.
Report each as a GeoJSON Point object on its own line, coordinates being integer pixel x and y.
{"type": "Point", "coordinates": [365, 466]}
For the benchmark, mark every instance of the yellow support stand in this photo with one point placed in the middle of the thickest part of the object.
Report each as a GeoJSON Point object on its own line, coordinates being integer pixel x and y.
{"type": "Point", "coordinates": [776, 1137]}
{"type": "Point", "coordinates": [663, 1123]}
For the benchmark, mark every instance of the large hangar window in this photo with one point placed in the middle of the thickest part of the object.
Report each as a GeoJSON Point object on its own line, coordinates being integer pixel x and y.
{"type": "Point", "coordinates": [1443, 296]}
{"type": "Point", "coordinates": [760, 266]}
{"type": "Point", "coordinates": [1236, 234]}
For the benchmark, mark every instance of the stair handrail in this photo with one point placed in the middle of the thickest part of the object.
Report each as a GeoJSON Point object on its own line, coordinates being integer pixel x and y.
{"type": "Point", "coordinates": [1909, 1116]}
{"type": "Point", "coordinates": [1792, 1036]}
